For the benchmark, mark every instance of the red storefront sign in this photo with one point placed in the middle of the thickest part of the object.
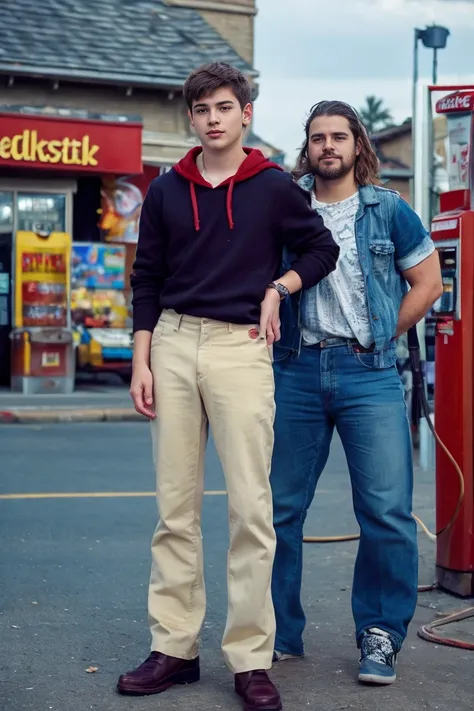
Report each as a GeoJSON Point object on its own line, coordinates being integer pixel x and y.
{"type": "Point", "coordinates": [457, 102]}
{"type": "Point", "coordinates": [67, 144]}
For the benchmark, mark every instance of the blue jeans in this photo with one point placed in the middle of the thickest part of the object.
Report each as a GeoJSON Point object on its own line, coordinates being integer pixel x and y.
{"type": "Point", "coordinates": [336, 386]}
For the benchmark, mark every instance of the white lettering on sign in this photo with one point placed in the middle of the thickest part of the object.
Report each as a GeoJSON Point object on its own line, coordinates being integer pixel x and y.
{"type": "Point", "coordinates": [456, 102]}
{"type": "Point", "coordinates": [442, 225]}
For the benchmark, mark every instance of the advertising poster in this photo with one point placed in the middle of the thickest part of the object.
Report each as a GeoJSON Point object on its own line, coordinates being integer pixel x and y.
{"type": "Point", "coordinates": [42, 280]}
{"type": "Point", "coordinates": [459, 140]}
{"type": "Point", "coordinates": [98, 266]}
{"type": "Point", "coordinates": [105, 308]}
{"type": "Point", "coordinates": [121, 204]}
{"type": "Point", "coordinates": [98, 283]}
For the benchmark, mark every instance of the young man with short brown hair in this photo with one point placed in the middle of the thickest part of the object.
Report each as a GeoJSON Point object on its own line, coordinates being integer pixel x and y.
{"type": "Point", "coordinates": [206, 312]}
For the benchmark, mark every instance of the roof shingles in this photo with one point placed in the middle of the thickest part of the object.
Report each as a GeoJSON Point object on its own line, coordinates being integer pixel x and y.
{"type": "Point", "coordinates": [144, 41]}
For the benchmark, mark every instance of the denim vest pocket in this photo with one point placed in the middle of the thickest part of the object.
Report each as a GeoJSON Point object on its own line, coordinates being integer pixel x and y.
{"type": "Point", "coordinates": [382, 257]}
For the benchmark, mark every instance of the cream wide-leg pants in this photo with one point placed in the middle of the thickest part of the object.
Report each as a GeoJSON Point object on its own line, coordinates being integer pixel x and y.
{"type": "Point", "coordinates": [212, 372]}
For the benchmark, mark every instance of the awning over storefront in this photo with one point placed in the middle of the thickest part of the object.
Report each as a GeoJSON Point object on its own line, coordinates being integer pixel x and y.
{"type": "Point", "coordinates": [84, 146]}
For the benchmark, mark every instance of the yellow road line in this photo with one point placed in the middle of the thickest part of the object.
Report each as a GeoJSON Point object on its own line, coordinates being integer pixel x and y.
{"type": "Point", "coordinates": [95, 495]}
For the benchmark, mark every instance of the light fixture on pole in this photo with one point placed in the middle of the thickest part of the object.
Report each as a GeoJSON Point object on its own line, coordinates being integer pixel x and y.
{"type": "Point", "coordinates": [434, 37]}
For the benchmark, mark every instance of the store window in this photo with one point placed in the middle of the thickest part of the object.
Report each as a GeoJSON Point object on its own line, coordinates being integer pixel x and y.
{"type": "Point", "coordinates": [41, 212]}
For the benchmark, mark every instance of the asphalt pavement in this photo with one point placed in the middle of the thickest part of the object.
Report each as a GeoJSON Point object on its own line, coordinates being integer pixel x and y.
{"type": "Point", "coordinates": [77, 512]}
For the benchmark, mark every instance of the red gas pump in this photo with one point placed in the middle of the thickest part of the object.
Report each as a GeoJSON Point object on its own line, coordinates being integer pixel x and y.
{"type": "Point", "coordinates": [453, 234]}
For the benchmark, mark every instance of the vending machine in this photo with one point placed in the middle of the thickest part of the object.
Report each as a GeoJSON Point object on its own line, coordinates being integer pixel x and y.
{"type": "Point", "coordinates": [41, 339]}
{"type": "Point", "coordinates": [453, 233]}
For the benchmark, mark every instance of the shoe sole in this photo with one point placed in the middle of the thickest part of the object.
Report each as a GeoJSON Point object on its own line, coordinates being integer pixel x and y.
{"type": "Point", "coordinates": [376, 680]}
{"type": "Point", "coordinates": [263, 708]}
{"type": "Point", "coordinates": [186, 677]}
{"type": "Point", "coordinates": [278, 707]}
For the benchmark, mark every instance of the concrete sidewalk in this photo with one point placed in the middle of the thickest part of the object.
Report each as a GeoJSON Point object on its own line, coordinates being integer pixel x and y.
{"type": "Point", "coordinates": [95, 399]}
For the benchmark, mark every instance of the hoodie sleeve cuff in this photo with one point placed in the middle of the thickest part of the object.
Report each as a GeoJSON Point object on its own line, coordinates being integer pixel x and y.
{"type": "Point", "coordinates": [145, 319]}
{"type": "Point", "coordinates": [309, 276]}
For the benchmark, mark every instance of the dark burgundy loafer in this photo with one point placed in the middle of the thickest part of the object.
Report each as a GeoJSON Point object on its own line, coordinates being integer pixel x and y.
{"type": "Point", "coordinates": [158, 673]}
{"type": "Point", "coordinates": [257, 691]}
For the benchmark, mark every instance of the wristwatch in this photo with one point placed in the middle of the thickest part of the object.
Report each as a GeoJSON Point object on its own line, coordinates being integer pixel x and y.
{"type": "Point", "coordinates": [282, 290]}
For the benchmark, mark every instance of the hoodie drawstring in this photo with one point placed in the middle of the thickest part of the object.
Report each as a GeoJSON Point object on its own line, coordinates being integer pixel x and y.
{"type": "Point", "coordinates": [194, 202]}
{"type": "Point", "coordinates": [230, 192]}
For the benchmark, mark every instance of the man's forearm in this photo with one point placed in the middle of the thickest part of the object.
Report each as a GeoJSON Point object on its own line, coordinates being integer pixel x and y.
{"type": "Point", "coordinates": [141, 348]}
{"type": "Point", "coordinates": [415, 306]}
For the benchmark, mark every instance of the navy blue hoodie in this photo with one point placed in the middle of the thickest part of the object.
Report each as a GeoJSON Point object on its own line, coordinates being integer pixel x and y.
{"type": "Point", "coordinates": [211, 252]}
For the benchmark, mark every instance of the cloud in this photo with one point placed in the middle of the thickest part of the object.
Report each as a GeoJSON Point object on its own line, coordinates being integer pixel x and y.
{"type": "Point", "coordinates": [373, 38]}
{"type": "Point", "coordinates": [317, 17]}
{"type": "Point", "coordinates": [426, 11]}
{"type": "Point", "coordinates": [307, 50]}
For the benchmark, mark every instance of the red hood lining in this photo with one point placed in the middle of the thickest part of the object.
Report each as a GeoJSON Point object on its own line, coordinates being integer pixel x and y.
{"type": "Point", "coordinates": [254, 164]}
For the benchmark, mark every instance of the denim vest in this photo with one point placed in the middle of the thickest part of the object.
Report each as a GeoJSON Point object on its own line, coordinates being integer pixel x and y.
{"type": "Point", "coordinates": [390, 239]}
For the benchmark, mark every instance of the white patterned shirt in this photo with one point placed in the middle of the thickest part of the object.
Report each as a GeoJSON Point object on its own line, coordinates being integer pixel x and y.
{"type": "Point", "coordinates": [337, 306]}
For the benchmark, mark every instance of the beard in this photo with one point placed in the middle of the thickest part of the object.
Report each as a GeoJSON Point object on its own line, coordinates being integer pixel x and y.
{"type": "Point", "coordinates": [339, 169]}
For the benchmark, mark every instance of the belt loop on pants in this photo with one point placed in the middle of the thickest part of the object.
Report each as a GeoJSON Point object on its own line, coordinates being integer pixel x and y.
{"type": "Point", "coordinates": [230, 328]}
{"type": "Point", "coordinates": [177, 320]}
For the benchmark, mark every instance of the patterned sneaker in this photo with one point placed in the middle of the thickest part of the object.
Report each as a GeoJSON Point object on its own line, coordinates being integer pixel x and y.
{"type": "Point", "coordinates": [378, 658]}
{"type": "Point", "coordinates": [283, 657]}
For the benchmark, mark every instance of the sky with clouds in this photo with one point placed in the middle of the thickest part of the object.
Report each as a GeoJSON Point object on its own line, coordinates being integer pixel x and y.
{"type": "Point", "coordinates": [309, 50]}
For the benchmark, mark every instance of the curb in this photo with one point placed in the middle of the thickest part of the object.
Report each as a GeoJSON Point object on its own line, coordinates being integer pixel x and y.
{"type": "Point", "coordinates": [28, 416]}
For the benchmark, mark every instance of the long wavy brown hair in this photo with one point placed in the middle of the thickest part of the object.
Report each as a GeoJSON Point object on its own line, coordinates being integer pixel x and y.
{"type": "Point", "coordinates": [367, 164]}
